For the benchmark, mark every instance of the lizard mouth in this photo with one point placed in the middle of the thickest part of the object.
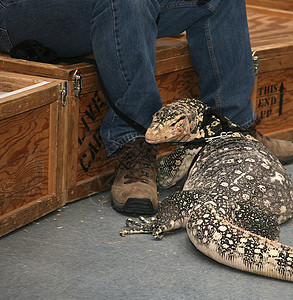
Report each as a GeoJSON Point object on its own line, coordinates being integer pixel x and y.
{"type": "Point", "coordinates": [151, 138]}
{"type": "Point", "coordinates": [174, 137]}
{"type": "Point", "coordinates": [150, 141]}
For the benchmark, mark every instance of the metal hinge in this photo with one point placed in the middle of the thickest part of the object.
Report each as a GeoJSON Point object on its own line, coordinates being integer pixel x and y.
{"type": "Point", "coordinates": [77, 83]}
{"type": "Point", "coordinates": [255, 59]}
{"type": "Point", "coordinates": [63, 92]}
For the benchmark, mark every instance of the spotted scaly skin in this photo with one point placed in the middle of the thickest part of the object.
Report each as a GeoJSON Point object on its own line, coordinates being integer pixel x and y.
{"type": "Point", "coordinates": [235, 196]}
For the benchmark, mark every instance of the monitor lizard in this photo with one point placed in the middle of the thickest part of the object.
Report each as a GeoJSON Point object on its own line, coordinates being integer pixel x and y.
{"type": "Point", "coordinates": [236, 194]}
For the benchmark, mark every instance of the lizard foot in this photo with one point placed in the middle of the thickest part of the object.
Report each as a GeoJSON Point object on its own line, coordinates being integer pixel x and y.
{"type": "Point", "coordinates": [144, 226]}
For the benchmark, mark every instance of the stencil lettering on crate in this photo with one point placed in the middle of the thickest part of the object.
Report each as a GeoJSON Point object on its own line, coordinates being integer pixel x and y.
{"type": "Point", "coordinates": [269, 98]}
{"type": "Point", "coordinates": [89, 138]}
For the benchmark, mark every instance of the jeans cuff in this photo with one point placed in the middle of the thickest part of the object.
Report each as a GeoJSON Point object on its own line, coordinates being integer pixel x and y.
{"type": "Point", "coordinates": [250, 122]}
{"type": "Point", "coordinates": [111, 149]}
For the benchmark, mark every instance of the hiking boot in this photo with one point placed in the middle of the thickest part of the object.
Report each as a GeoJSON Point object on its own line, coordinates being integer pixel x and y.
{"type": "Point", "coordinates": [282, 149]}
{"type": "Point", "coordinates": [134, 190]}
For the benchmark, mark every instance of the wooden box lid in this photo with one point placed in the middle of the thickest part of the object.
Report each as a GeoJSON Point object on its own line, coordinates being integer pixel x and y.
{"type": "Point", "coordinates": [20, 93]}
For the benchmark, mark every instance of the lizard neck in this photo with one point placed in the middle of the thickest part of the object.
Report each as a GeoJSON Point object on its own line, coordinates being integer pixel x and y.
{"type": "Point", "coordinates": [212, 123]}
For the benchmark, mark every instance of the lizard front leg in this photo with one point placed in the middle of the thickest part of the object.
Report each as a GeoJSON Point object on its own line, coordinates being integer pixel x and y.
{"type": "Point", "coordinates": [171, 216]}
{"type": "Point", "coordinates": [173, 167]}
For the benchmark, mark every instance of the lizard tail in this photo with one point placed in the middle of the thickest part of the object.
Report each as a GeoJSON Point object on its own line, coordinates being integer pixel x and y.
{"type": "Point", "coordinates": [238, 248]}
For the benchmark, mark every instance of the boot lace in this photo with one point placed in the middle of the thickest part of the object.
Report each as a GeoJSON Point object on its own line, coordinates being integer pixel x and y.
{"type": "Point", "coordinates": [136, 159]}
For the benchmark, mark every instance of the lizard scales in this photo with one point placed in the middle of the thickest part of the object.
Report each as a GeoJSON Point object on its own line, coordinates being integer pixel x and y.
{"type": "Point", "coordinates": [236, 194]}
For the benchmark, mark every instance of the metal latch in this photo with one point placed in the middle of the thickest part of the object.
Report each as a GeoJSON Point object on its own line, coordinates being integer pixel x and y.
{"type": "Point", "coordinates": [255, 59]}
{"type": "Point", "coordinates": [77, 83]}
{"type": "Point", "coordinates": [63, 92]}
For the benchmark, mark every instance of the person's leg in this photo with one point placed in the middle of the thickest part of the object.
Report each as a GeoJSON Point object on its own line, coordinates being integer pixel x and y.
{"type": "Point", "coordinates": [124, 43]}
{"type": "Point", "coordinates": [124, 36]}
{"type": "Point", "coordinates": [61, 25]}
{"type": "Point", "coordinates": [221, 54]}
{"type": "Point", "coordinates": [219, 44]}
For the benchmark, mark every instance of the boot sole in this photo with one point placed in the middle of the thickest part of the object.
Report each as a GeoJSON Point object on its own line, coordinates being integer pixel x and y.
{"type": "Point", "coordinates": [135, 207]}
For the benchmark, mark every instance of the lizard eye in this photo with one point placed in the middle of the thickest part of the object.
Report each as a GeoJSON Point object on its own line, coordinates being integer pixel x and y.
{"type": "Point", "coordinates": [177, 122]}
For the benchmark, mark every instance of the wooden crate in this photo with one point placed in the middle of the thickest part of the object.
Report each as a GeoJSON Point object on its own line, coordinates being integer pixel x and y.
{"type": "Point", "coordinates": [272, 37]}
{"type": "Point", "coordinates": [85, 167]}
{"type": "Point", "coordinates": [30, 172]}
{"type": "Point", "coordinates": [286, 5]}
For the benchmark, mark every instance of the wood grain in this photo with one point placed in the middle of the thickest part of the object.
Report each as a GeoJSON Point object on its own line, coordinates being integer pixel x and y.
{"type": "Point", "coordinates": [24, 134]}
{"type": "Point", "coordinates": [11, 81]}
{"type": "Point", "coordinates": [275, 78]}
{"type": "Point", "coordinates": [95, 184]}
{"type": "Point", "coordinates": [28, 100]}
{"type": "Point", "coordinates": [268, 28]}
{"type": "Point", "coordinates": [28, 213]}
{"type": "Point", "coordinates": [23, 173]}
{"type": "Point", "coordinates": [286, 5]}
{"type": "Point", "coordinates": [179, 84]}
{"type": "Point", "coordinates": [23, 197]}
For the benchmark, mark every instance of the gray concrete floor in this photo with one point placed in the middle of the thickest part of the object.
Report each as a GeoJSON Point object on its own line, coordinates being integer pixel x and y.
{"type": "Point", "coordinates": [77, 253]}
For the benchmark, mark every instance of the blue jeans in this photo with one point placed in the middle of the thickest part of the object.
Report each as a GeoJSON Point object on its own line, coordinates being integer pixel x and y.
{"type": "Point", "coordinates": [122, 35]}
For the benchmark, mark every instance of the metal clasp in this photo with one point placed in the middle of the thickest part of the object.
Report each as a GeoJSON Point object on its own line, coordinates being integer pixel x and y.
{"type": "Point", "coordinates": [77, 83]}
{"type": "Point", "coordinates": [255, 58]}
{"type": "Point", "coordinates": [63, 92]}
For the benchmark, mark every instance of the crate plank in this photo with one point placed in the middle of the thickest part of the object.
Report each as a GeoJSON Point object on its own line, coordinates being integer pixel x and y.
{"type": "Point", "coordinates": [178, 84]}
{"type": "Point", "coordinates": [23, 197]}
{"type": "Point", "coordinates": [24, 134]}
{"type": "Point", "coordinates": [23, 173]}
{"type": "Point", "coordinates": [28, 213]}
{"type": "Point", "coordinates": [286, 5]}
{"type": "Point", "coordinates": [15, 104]}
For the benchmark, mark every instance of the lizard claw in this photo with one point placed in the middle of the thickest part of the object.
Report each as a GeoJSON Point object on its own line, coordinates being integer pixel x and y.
{"type": "Point", "coordinates": [144, 226]}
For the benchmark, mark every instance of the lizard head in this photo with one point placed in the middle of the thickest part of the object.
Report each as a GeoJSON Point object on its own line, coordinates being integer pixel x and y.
{"type": "Point", "coordinates": [165, 130]}
{"type": "Point", "coordinates": [175, 122]}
